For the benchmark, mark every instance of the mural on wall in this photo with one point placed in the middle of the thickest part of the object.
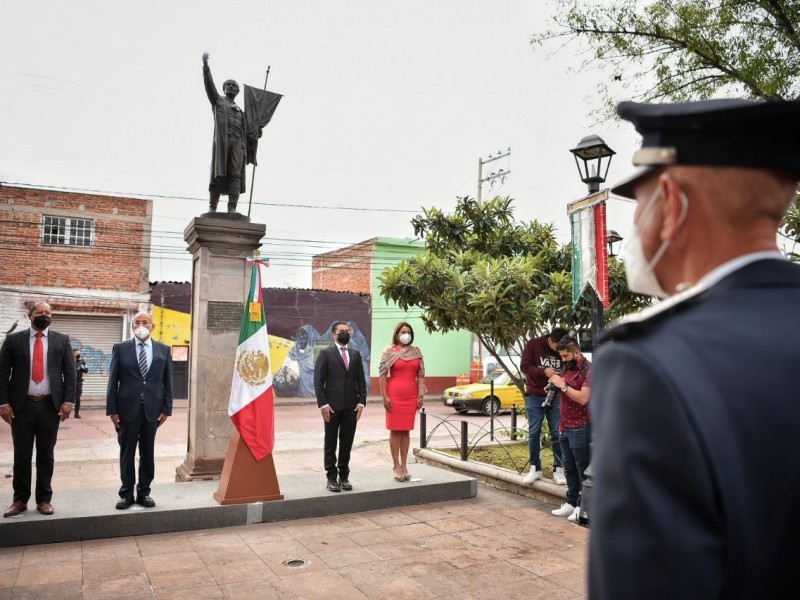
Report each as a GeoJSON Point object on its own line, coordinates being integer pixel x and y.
{"type": "Point", "coordinates": [299, 323]}
{"type": "Point", "coordinates": [295, 376]}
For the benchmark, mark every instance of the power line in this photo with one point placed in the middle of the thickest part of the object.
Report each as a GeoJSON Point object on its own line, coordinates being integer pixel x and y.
{"type": "Point", "coordinates": [140, 196]}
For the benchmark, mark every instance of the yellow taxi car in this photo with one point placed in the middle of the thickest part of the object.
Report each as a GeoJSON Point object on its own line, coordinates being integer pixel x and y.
{"type": "Point", "coordinates": [478, 396]}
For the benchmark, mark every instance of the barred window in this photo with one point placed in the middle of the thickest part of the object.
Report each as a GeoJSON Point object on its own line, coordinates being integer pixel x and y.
{"type": "Point", "coordinates": [66, 231]}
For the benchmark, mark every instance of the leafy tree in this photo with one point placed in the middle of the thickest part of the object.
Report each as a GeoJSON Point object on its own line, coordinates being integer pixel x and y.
{"type": "Point", "coordinates": [680, 50]}
{"type": "Point", "coordinates": [502, 280]}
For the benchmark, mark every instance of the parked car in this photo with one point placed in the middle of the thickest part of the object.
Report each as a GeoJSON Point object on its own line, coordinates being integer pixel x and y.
{"type": "Point", "coordinates": [478, 396]}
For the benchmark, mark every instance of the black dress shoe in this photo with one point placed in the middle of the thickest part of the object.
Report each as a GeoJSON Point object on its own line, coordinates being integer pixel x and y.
{"type": "Point", "coordinates": [77, 416]}
{"type": "Point", "coordinates": [333, 486]}
{"type": "Point", "coordinates": [124, 503]}
{"type": "Point", "coordinates": [146, 501]}
{"type": "Point", "coordinates": [345, 485]}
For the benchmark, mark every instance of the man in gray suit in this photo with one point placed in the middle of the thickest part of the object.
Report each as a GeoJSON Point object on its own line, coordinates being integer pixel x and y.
{"type": "Point", "coordinates": [37, 391]}
{"type": "Point", "coordinates": [139, 400]}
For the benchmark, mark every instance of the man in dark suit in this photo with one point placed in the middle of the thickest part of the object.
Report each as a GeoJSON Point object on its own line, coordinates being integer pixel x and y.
{"type": "Point", "coordinates": [695, 400]}
{"type": "Point", "coordinates": [139, 400]}
{"type": "Point", "coordinates": [341, 396]}
{"type": "Point", "coordinates": [37, 391]}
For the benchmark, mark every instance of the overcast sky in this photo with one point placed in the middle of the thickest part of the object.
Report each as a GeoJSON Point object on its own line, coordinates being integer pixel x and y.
{"type": "Point", "coordinates": [387, 108]}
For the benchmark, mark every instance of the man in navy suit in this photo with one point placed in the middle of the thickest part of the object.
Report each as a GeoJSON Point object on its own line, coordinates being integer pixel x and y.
{"type": "Point", "coordinates": [139, 400]}
{"type": "Point", "coordinates": [341, 396]}
{"type": "Point", "coordinates": [695, 400]}
{"type": "Point", "coordinates": [37, 391]}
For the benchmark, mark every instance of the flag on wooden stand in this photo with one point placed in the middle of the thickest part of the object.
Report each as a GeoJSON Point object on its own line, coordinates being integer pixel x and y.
{"type": "Point", "coordinates": [251, 405]}
{"type": "Point", "coordinates": [590, 252]}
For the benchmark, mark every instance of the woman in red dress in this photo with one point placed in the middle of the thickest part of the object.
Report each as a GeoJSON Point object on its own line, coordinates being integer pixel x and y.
{"type": "Point", "coordinates": [402, 373]}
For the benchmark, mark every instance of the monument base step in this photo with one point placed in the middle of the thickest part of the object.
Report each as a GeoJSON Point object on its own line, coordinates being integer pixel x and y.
{"type": "Point", "coordinates": [87, 514]}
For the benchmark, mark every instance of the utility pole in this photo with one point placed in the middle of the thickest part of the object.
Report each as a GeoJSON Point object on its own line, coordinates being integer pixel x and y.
{"type": "Point", "coordinates": [500, 174]}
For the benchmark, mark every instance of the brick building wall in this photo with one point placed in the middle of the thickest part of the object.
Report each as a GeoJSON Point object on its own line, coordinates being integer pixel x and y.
{"type": "Point", "coordinates": [117, 257]}
{"type": "Point", "coordinates": [344, 270]}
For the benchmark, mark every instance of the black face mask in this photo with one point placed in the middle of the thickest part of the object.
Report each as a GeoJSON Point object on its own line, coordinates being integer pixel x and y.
{"type": "Point", "coordinates": [41, 322]}
{"type": "Point", "coordinates": [343, 337]}
{"type": "Point", "coordinates": [570, 364]}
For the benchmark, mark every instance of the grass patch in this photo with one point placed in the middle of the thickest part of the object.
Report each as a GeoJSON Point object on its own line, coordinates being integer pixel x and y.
{"type": "Point", "coordinates": [509, 456]}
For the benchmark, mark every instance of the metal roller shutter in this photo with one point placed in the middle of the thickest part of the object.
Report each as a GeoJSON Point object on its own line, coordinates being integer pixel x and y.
{"type": "Point", "coordinates": [95, 336]}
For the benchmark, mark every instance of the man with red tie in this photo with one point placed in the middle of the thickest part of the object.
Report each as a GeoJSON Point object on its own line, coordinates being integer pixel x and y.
{"type": "Point", "coordinates": [341, 391]}
{"type": "Point", "coordinates": [37, 391]}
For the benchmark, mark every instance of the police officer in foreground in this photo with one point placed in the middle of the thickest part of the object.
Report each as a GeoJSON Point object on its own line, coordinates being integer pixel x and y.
{"type": "Point", "coordinates": [696, 400]}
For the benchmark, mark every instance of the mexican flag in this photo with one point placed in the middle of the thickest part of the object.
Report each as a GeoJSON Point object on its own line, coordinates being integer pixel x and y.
{"type": "Point", "coordinates": [251, 406]}
{"type": "Point", "coordinates": [590, 252]}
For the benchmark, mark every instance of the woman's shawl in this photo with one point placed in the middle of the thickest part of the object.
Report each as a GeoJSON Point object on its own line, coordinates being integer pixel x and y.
{"type": "Point", "coordinates": [390, 356]}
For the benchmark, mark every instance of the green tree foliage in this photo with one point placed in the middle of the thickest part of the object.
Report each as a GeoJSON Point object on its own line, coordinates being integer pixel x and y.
{"type": "Point", "coordinates": [502, 280]}
{"type": "Point", "coordinates": [682, 50]}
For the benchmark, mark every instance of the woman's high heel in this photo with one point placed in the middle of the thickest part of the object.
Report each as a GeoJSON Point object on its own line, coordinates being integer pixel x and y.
{"type": "Point", "coordinates": [406, 474]}
{"type": "Point", "coordinates": [399, 477]}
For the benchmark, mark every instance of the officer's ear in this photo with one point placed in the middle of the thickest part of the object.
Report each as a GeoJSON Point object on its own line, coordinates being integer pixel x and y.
{"type": "Point", "coordinates": [671, 206]}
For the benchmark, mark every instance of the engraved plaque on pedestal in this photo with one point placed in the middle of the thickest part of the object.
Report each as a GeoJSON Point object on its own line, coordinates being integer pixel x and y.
{"type": "Point", "coordinates": [224, 315]}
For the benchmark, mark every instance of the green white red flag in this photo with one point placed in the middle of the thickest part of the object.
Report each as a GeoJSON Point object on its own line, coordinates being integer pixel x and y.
{"type": "Point", "coordinates": [590, 252]}
{"type": "Point", "coordinates": [251, 405]}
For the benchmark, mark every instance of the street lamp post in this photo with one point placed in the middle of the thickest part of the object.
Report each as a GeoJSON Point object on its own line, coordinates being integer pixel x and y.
{"type": "Point", "coordinates": [593, 157]}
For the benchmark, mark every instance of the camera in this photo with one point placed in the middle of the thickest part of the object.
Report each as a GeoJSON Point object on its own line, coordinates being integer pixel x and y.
{"type": "Point", "coordinates": [551, 392]}
{"type": "Point", "coordinates": [551, 395]}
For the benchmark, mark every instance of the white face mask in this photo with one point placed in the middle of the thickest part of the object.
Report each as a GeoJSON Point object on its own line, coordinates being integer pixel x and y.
{"type": "Point", "coordinates": [639, 272]}
{"type": "Point", "coordinates": [142, 333]}
{"type": "Point", "coordinates": [405, 338]}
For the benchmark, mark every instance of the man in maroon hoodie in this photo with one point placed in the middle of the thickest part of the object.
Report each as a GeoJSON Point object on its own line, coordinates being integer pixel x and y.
{"type": "Point", "coordinates": [540, 361]}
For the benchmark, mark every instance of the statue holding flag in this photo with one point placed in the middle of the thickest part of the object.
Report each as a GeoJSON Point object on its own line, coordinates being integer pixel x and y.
{"type": "Point", "coordinates": [236, 134]}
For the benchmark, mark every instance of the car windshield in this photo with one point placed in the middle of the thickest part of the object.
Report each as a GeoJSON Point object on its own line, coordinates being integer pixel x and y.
{"type": "Point", "coordinates": [499, 377]}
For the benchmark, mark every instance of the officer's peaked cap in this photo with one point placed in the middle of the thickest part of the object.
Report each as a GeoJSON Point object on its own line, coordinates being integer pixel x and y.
{"type": "Point", "coordinates": [722, 132]}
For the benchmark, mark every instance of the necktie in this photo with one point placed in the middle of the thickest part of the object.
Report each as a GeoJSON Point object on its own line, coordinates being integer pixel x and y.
{"type": "Point", "coordinates": [38, 359]}
{"type": "Point", "coordinates": [345, 358]}
{"type": "Point", "coordinates": [142, 360]}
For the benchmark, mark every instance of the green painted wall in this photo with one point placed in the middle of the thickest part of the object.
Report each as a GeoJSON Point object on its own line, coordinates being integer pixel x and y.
{"type": "Point", "coordinates": [446, 355]}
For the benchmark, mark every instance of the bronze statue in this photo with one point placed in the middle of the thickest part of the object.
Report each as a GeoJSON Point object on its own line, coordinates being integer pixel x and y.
{"type": "Point", "coordinates": [229, 152]}
{"type": "Point", "coordinates": [236, 134]}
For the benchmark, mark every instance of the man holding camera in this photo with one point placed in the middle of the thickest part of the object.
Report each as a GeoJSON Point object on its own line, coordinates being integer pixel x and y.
{"type": "Point", "coordinates": [576, 432]}
{"type": "Point", "coordinates": [540, 360]}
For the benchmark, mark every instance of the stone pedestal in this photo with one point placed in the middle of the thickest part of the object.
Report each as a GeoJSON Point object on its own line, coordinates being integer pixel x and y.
{"type": "Point", "coordinates": [220, 284]}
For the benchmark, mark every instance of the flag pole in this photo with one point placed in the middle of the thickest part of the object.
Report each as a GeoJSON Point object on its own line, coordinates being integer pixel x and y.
{"type": "Point", "coordinates": [253, 178]}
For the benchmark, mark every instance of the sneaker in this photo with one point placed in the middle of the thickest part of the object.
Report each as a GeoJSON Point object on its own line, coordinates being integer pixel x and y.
{"type": "Point", "coordinates": [558, 476]}
{"type": "Point", "coordinates": [564, 510]}
{"type": "Point", "coordinates": [532, 476]}
{"type": "Point", "coordinates": [573, 518]}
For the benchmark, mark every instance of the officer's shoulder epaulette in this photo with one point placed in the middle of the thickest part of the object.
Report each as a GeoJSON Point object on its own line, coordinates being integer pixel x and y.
{"type": "Point", "coordinates": [638, 323]}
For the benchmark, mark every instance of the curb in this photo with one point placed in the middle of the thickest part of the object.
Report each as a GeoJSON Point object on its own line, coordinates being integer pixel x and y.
{"type": "Point", "coordinates": [496, 477]}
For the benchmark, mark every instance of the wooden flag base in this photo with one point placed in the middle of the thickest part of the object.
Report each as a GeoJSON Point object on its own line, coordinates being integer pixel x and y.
{"type": "Point", "coordinates": [245, 480]}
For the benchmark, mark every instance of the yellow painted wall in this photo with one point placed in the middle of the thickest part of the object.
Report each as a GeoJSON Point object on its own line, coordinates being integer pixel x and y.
{"type": "Point", "coordinates": [176, 330]}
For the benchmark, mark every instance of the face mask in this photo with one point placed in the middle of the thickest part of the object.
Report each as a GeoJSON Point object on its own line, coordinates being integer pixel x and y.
{"type": "Point", "coordinates": [639, 272]}
{"type": "Point", "coordinates": [41, 322]}
{"type": "Point", "coordinates": [142, 333]}
{"type": "Point", "coordinates": [405, 338]}
{"type": "Point", "coordinates": [343, 337]}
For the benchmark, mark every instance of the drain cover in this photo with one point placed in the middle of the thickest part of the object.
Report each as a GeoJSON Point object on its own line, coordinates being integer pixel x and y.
{"type": "Point", "coordinates": [295, 562]}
